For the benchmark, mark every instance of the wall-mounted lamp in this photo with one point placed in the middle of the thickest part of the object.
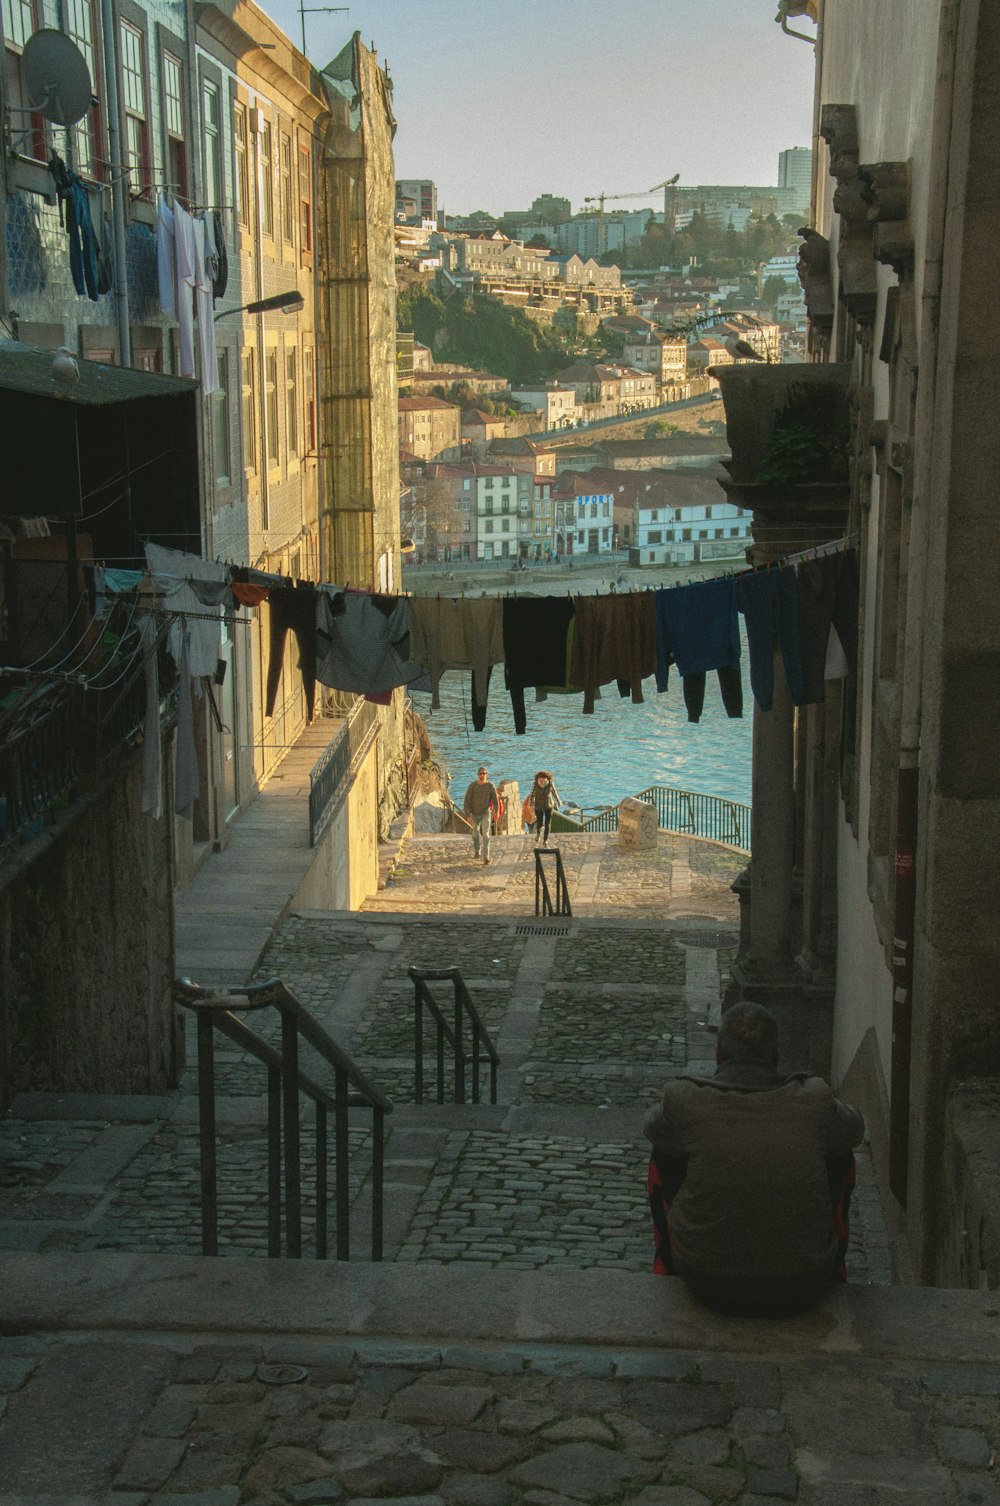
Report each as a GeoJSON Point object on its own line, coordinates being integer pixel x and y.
{"type": "Point", "coordinates": [288, 303]}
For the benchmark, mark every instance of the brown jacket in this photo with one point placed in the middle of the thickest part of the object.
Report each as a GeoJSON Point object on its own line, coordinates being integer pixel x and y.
{"type": "Point", "coordinates": [754, 1203]}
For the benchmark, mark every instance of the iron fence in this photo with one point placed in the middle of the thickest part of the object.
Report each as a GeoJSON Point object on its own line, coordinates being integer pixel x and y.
{"type": "Point", "coordinates": [331, 774]}
{"type": "Point", "coordinates": [690, 813]}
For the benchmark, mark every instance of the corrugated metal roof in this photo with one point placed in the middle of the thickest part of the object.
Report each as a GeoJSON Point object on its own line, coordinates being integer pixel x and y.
{"type": "Point", "coordinates": [25, 370]}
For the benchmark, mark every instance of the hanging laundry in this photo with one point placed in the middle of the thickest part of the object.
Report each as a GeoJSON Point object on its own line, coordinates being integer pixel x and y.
{"type": "Point", "coordinates": [769, 602]}
{"type": "Point", "coordinates": [246, 595]}
{"type": "Point", "coordinates": [184, 284]}
{"type": "Point", "coordinates": [83, 245]}
{"type": "Point", "coordinates": [535, 630]}
{"type": "Point", "coordinates": [730, 688]}
{"type": "Point", "coordinates": [173, 570]}
{"type": "Point", "coordinates": [828, 598]}
{"type": "Point", "coordinates": [614, 638]}
{"type": "Point", "coordinates": [363, 641]}
{"type": "Point", "coordinates": [166, 274]}
{"type": "Point", "coordinates": [204, 248]}
{"type": "Point", "coordinates": [697, 628]}
{"type": "Point", "coordinates": [457, 634]}
{"type": "Point", "coordinates": [292, 609]}
{"type": "Point", "coordinates": [220, 263]}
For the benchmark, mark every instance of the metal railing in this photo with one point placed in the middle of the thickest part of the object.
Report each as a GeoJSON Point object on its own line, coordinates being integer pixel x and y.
{"type": "Point", "coordinates": [544, 903]}
{"type": "Point", "coordinates": [688, 812]}
{"type": "Point", "coordinates": [331, 774]}
{"type": "Point", "coordinates": [454, 1033]}
{"type": "Point", "coordinates": [285, 1083]}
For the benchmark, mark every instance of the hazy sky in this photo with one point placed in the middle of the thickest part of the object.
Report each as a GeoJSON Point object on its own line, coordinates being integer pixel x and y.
{"type": "Point", "coordinates": [501, 100]}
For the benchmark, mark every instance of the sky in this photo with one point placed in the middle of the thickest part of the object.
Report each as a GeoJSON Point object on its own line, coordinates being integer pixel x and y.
{"type": "Point", "coordinates": [499, 101]}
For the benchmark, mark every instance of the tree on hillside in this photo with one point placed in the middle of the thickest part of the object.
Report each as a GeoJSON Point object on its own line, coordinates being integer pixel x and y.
{"type": "Point", "coordinates": [774, 287]}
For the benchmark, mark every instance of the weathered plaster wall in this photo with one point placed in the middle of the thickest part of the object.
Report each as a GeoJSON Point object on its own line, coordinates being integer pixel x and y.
{"type": "Point", "coordinates": [86, 957]}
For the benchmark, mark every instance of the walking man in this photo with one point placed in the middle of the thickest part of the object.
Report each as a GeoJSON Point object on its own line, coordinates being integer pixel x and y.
{"type": "Point", "coordinates": [480, 804]}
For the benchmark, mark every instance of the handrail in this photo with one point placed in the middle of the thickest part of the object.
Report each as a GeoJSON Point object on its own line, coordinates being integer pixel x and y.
{"type": "Point", "coordinates": [687, 811]}
{"type": "Point", "coordinates": [285, 1081]}
{"type": "Point", "coordinates": [463, 1005]}
{"type": "Point", "coordinates": [543, 899]}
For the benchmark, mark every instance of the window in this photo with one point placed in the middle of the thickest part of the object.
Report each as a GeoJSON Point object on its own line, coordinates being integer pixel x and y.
{"type": "Point", "coordinates": [211, 122]}
{"type": "Point", "coordinates": [488, 504]}
{"type": "Point", "coordinates": [309, 400]}
{"type": "Point", "coordinates": [134, 97]}
{"type": "Point", "coordinates": [248, 403]}
{"type": "Point", "coordinates": [655, 536]}
{"type": "Point", "coordinates": [708, 512]}
{"type": "Point", "coordinates": [173, 120]}
{"type": "Point", "coordinates": [489, 483]}
{"type": "Point", "coordinates": [271, 403]}
{"type": "Point", "coordinates": [305, 201]}
{"type": "Point", "coordinates": [28, 130]}
{"type": "Point", "coordinates": [654, 516]}
{"type": "Point", "coordinates": [604, 535]}
{"type": "Point", "coordinates": [686, 535]}
{"type": "Point", "coordinates": [593, 509]}
{"type": "Point", "coordinates": [489, 525]}
{"type": "Point", "coordinates": [267, 180]}
{"type": "Point", "coordinates": [85, 137]}
{"type": "Point", "coordinates": [220, 422]}
{"type": "Point", "coordinates": [292, 401]}
{"type": "Point", "coordinates": [241, 173]}
{"type": "Point", "coordinates": [285, 196]}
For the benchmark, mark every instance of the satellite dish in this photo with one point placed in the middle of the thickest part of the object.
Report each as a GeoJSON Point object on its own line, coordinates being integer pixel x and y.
{"type": "Point", "coordinates": [56, 77]}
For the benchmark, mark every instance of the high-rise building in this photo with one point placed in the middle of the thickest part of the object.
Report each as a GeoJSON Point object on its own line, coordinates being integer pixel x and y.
{"type": "Point", "coordinates": [795, 171]}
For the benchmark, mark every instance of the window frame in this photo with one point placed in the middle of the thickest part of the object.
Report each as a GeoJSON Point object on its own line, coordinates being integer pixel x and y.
{"type": "Point", "coordinates": [249, 422]}
{"type": "Point", "coordinates": [305, 181]}
{"type": "Point", "coordinates": [242, 175]}
{"type": "Point", "coordinates": [265, 177]}
{"type": "Point", "coordinates": [135, 119]}
{"type": "Point", "coordinates": [175, 139]}
{"type": "Point", "coordinates": [286, 203]}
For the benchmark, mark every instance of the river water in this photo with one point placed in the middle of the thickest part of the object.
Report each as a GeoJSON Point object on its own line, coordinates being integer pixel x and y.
{"type": "Point", "coordinates": [595, 760]}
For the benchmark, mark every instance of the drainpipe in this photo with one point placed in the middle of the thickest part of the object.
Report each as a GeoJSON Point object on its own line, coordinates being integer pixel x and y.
{"type": "Point", "coordinates": [908, 774]}
{"type": "Point", "coordinates": [117, 158]}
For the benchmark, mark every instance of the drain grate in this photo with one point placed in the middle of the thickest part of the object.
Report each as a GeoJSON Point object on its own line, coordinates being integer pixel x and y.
{"type": "Point", "coordinates": [706, 938]}
{"type": "Point", "coordinates": [541, 930]}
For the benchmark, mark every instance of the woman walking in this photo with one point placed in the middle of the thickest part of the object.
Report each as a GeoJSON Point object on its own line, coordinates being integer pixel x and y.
{"type": "Point", "coordinates": [544, 800]}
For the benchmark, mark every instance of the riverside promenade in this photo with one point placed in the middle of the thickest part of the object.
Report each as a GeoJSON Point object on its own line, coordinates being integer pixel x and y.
{"type": "Point", "coordinates": [512, 1349]}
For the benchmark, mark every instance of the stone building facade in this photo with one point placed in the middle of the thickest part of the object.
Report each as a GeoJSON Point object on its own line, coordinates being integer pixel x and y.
{"type": "Point", "coordinates": [879, 812]}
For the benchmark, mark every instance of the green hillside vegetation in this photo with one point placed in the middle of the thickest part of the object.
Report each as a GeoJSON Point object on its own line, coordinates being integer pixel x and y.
{"type": "Point", "coordinates": [485, 334]}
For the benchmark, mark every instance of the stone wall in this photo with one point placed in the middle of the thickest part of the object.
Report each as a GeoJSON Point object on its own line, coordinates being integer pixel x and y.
{"type": "Point", "coordinates": [86, 956]}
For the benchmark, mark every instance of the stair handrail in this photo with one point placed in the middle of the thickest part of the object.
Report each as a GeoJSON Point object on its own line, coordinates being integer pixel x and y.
{"type": "Point", "coordinates": [452, 1033]}
{"type": "Point", "coordinates": [214, 1010]}
{"type": "Point", "coordinates": [543, 898]}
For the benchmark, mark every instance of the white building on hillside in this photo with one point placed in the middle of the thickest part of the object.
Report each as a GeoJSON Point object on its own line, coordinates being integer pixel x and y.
{"type": "Point", "coordinates": [689, 534]}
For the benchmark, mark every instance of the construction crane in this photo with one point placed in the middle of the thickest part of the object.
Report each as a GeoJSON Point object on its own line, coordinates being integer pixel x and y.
{"type": "Point", "coordinates": [601, 198]}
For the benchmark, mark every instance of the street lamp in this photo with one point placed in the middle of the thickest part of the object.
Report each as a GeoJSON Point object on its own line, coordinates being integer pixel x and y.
{"type": "Point", "coordinates": [288, 303]}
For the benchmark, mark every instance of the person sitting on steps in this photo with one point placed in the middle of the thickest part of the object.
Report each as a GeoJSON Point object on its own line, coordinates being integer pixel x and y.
{"type": "Point", "coordinates": [750, 1176]}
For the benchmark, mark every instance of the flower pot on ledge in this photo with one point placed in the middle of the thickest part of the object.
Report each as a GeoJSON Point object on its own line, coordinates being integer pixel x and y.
{"type": "Point", "coordinates": [788, 429]}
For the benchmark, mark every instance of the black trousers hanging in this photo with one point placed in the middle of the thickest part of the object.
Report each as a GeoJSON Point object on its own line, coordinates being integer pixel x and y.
{"type": "Point", "coordinates": [293, 609]}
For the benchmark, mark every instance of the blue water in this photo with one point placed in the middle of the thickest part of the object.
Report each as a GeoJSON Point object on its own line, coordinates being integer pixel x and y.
{"type": "Point", "coordinates": [595, 760]}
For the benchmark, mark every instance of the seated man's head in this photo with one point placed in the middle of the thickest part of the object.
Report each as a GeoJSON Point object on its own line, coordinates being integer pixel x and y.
{"type": "Point", "coordinates": [748, 1033]}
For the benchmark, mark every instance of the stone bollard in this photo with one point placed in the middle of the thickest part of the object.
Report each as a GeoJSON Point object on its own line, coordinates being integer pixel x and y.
{"type": "Point", "coordinates": [510, 824]}
{"type": "Point", "coordinates": [637, 825]}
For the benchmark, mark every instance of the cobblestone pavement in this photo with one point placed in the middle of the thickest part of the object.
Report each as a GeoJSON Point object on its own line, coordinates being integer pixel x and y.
{"type": "Point", "coordinates": [303, 1422]}
{"type": "Point", "coordinates": [605, 881]}
{"type": "Point", "coordinates": [588, 1025]}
